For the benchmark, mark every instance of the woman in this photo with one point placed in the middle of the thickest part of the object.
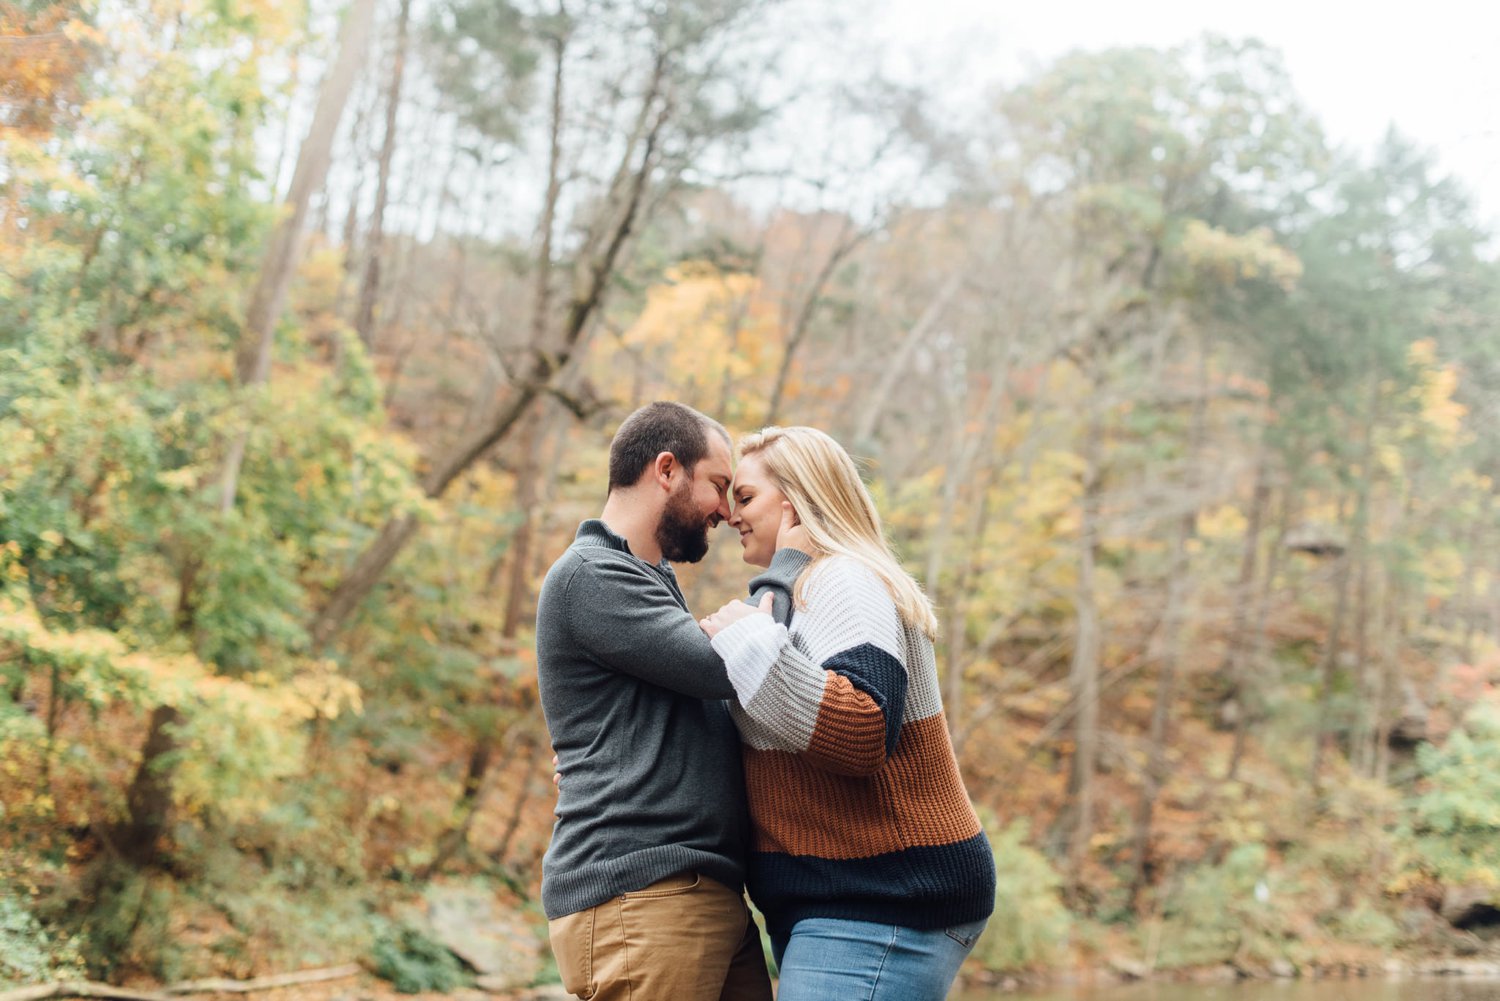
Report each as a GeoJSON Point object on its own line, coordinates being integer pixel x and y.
{"type": "Point", "coordinates": [868, 860]}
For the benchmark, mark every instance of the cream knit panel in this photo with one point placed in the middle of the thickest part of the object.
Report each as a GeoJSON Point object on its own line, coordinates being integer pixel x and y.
{"type": "Point", "coordinates": [924, 697]}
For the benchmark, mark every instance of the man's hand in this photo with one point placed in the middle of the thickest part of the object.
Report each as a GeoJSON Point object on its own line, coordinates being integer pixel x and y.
{"type": "Point", "coordinates": [733, 612]}
{"type": "Point", "coordinates": [791, 534]}
{"type": "Point", "coordinates": [556, 779]}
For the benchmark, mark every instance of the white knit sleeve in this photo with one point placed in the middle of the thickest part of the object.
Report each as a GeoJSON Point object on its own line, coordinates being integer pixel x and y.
{"type": "Point", "coordinates": [749, 648]}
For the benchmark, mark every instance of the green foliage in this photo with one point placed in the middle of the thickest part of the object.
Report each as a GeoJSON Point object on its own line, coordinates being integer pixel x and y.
{"type": "Point", "coordinates": [302, 909]}
{"type": "Point", "coordinates": [127, 923]}
{"type": "Point", "coordinates": [1364, 924]}
{"type": "Point", "coordinates": [414, 963]}
{"type": "Point", "coordinates": [1458, 810]}
{"type": "Point", "coordinates": [29, 954]}
{"type": "Point", "coordinates": [1236, 910]}
{"type": "Point", "coordinates": [483, 57]}
{"type": "Point", "coordinates": [1030, 927]}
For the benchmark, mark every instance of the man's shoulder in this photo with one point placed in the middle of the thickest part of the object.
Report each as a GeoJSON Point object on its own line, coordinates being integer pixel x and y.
{"type": "Point", "coordinates": [580, 578]}
{"type": "Point", "coordinates": [585, 563]}
{"type": "Point", "coordinates": [594, 555]}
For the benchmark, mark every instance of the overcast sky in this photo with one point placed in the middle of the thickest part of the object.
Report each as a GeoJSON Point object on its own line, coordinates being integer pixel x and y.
{"type": "Point", "coordinates": [1432, 68]}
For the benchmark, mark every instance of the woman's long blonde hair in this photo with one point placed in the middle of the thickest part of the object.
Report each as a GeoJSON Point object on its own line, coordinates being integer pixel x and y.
{"type": "Point", "coordinates": [820, 480]}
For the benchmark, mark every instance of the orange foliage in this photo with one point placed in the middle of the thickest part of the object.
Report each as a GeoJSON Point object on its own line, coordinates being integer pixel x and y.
{"type": "Point", "coordinates": [42, 55]}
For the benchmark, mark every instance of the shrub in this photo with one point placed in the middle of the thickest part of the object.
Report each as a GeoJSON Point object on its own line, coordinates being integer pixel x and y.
{"type": "Point", "coordinates": [412, 962]}
{"type": "Point", "coordinates": [1235, 910]}
{"type": "Point", "coordinates": [1030, 926]}
{"type": "Point", "coordinates": [1458, 813]}
{"type": "Point", "coordinates": [28, 953]}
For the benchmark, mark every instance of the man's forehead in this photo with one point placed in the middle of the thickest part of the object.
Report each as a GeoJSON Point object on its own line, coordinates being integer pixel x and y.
{"type": "Point", "coordinates": [719, 461]}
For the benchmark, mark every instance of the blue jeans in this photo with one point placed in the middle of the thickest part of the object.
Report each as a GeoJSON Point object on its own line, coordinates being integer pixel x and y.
{"type": "Point", "coordinates": [827, 958]}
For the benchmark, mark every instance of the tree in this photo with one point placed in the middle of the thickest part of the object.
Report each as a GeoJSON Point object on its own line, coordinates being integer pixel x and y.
{"type": "Point", "coordinates": [283, 249]}
{"type": "Point", "coordinates": [670, 120]}
{"type": "Point", "coordinates": [369, 286]}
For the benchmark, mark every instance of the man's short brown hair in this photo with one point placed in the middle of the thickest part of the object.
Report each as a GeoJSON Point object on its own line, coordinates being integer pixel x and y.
{"type": "Point", "coordinates": [662, 426]}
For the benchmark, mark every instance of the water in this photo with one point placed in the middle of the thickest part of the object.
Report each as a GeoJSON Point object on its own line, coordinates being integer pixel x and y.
{"type": "Point", "coordinates": [1424, 989]}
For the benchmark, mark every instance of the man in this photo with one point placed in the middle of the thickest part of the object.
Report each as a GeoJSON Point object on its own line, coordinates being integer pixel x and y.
{"type": "Point", "coordinates": [642, 882]}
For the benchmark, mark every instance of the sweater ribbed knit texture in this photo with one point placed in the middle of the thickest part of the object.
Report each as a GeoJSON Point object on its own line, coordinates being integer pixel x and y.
{"type": "Point", "coordinates": [857, 808]}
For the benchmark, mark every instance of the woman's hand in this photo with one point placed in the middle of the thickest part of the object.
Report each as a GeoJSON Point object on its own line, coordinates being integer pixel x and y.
{"type": "Point", "coordinates": [791, 534]}
{"type": "Point", "coordinates": [733, 612]}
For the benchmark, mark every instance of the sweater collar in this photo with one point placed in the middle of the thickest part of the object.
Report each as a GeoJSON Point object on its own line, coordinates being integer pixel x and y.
{"type": "Point", "coordinates": [594, 532]}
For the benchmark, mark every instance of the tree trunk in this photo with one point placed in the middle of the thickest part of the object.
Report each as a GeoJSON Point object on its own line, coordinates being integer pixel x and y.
{"type": "Point", "coordinates": [253, 364]}
{"type": "Point", "coordinates": [974, 467]}
{"type": "Point", "coordinates": [452, 839]}
{"type": "Point", "coordinates": [349, 235]}
{"type": "Point", "coordinates": [1156, 757]}
{"type": "Point", "coordinates": [1075, 823]}
{"type": "Point", "coordinates": [1174, 621]}
{"type": "Point", "coordinates": [541, 308]}
{"type": "Point", "coordinates": [149, 798]}
{"type": "Point", "coordinates": [798, 332]}
{"type": "Point", "coordinates": [1232, 670]}
{"type": "Point", "coordinates": [1468, 592]}
{"type": "Point", "coordinates": [1365, 679]}
{"type": "Point", "coordinates": [1328, 672]}
{"type": "Point", "coordinates": [1391, 694]}
{"type": "Point", "coordinates": [1350, 565]}
{"type": "Point", "coordinates": [528, 473]}
{"type": "Point", "coordinates": [1259, 636]}
{"type": "Point", "coordinates": [518, 805]}
{"type": "Point", "coordinates": [863, 435]}
{"type": "Point", "coordinates": [1368, 679]}
{"type": "Point", "coordinates": [957, 630]}
{"type": "Point", "coordinates": [1392, 698]}
{"type": "Point", "coordinates": [369, 288]}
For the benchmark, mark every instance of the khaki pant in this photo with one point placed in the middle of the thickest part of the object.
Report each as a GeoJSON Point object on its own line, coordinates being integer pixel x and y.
{"type": "Point", "coordinates": [686, 938]}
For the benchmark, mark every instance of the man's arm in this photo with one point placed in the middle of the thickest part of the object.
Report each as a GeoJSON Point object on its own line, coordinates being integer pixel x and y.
{"type": "Point", "coordinates": [627, 619]}
{"type": "Point", "coordinates": [778, 579]}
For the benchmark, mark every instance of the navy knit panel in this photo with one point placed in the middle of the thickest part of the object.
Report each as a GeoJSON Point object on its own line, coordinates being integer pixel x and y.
{"type": "Point", "coordinates": [927, 887]}
{"type": "Point", "coordinates": [880, 676]}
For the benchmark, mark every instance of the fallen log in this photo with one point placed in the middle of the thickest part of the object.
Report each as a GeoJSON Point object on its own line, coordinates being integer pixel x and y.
{"type": "Point", "coordinates": [78, 989]}
{"type": "Point", "coordinates": [213, 985]}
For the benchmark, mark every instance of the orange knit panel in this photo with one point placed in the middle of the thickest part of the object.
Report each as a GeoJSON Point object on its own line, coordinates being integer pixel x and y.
{"type": "Point", "coordinates": [917, 799]}
{"type": "Point", "coordinates": [849, 736]}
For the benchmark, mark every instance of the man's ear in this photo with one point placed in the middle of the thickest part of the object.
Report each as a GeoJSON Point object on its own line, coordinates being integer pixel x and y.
{"type": "Point", "coordinates": [663, 468]}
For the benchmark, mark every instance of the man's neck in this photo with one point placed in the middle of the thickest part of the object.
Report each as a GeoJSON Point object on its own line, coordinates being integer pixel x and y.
{"type": "Point", "coordinates": [628, 519]}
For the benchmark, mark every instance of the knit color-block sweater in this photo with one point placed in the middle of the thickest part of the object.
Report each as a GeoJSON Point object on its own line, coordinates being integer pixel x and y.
{"type": "Point", "coordinates": [856, 803]}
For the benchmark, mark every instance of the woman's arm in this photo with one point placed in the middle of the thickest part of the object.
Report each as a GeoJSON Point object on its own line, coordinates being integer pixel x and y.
{"type": "Point", "coordinates": [838, 701]}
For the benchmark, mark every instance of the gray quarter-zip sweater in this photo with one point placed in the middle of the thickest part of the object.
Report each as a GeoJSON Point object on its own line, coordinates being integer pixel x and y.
{"type": "Point", "coordinates": [632, 691]}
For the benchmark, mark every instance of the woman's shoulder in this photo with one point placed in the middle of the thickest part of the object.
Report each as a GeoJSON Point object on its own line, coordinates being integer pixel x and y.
{"type": "Point", "coordinates": [842, 590]}
{"type": "Point", "coordinates": [840, 580]}
{"type": "Point", "coordinates": [839, 572]}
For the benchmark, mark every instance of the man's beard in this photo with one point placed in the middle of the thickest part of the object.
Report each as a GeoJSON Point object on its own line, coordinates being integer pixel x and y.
{"type": "Point", "coordinates": [682, 532]}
